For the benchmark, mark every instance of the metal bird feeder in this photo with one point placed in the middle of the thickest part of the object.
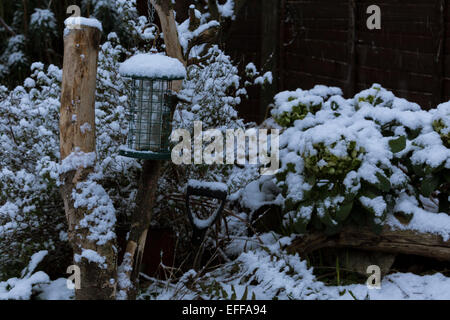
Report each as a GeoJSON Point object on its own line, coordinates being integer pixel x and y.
{"type": "Point", "coordinates": [151, 106]}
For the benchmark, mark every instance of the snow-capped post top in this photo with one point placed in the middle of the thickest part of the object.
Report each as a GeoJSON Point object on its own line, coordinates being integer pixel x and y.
{"type": "Point", "coordinates": [153, 66]}
{"type": "Point", "coordinates": [78, 22]}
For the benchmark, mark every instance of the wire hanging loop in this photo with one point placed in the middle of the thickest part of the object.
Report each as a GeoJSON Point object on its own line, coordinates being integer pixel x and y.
{"type": "Point", "coordinates": [157, 35]}
{"type": "Point", "coordinates": [151, 15]}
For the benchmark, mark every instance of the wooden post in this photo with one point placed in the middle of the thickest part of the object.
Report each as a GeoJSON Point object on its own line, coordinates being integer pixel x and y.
{"type": "Point", "coordinates": [269, 51]}
{"type": "Point", "coordinates": [438, 33]}
{"type": "Point", "coordinates": [169, 28]}
{"type": "Point", "coordinates": [351, 45]}
{"type": "Point", "coordinates": [141, 218]}
{"type": "Point", "coordinates": [77, 137]}
{"type": "Point", "coordinates": [281, 46]}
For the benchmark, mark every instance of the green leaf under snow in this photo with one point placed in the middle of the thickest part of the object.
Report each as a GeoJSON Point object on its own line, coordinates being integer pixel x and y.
{"type": "Point", "coordinates": [344, 211]}
{"type": "Point", "coordinates": [383, 183]}
{"type": "Point", "coordinates": [428, 185]}
{"type": "Point", "coordinates": [398, 144]}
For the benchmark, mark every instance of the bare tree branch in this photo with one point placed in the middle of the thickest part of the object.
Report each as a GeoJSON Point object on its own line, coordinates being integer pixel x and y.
{"type": "Point", "coordinates": [7, 28]}
{"type": "Point", "coordinates": [213, 9]}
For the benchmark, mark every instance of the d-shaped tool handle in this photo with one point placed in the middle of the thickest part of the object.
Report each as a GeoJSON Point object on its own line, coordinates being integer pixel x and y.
{"type": "Point", "coordinates": [200, 226]}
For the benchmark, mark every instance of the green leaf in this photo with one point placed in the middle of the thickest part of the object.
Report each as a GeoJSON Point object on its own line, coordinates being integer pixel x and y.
{"type": "Point", "coordinates": [403, 217]}
{"type": "Point", "coordinates": [244, 296]}
{"type": "Point", "coordinates": [300, 226]}
{"type": "Point", "coordinates": [418, 169]}
{"type": "Point", "coordinates": [429, 185]}
{"type": "Point", "coordinates": [233, 295]}
{"type": "Point", "coordinates": [398, 144]}
{"type": "Point", "coordinates": [383, 183]}
{"type": "Point", "coordinates": [446, 175]}
{"type": "Point", "coordinates": [343, 212]}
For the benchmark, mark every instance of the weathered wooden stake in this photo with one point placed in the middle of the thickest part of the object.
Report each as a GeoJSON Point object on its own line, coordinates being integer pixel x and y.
{"type": "Point", "coordinates": [141, 218]}
{"type": "Point", "coordinates": [77, 134]}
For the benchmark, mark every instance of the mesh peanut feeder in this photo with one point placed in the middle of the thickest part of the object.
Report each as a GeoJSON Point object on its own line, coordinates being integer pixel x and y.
{"type": "Point", "coordinates": [151, 106]}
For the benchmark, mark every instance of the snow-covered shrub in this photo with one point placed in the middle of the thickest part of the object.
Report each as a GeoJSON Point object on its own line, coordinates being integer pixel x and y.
{"type": "Point", "coordinates": [264, 271]}
{"type": "Point", "coordinates": [295, 105]}
{"type": "Point", "coordinates": [355, 161]}
{"type": "Point", "coordinates": [34, 284]}
{"type": "Point", "coordinates": [214, 90]}
{"type": "Point", "coordinates": [13, 57]}
{"type": "Point", "coordinates": [31, 209]}
{"type": "Point", "coordinates": [428, 157]}
{"type": "Point", "coordinates": [441, 123]}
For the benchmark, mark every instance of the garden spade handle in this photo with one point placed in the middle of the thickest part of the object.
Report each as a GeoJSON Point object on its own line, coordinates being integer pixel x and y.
{"type": "Point", "coordinates": [201, 226]}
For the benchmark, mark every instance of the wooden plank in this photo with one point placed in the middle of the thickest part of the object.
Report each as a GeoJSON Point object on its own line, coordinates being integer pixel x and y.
{"type": "Point", "coordinates": [395, 59]}
{"type": "Point", "coordinates": [395, 79]}
{"type": "Point", "coordinates": [391, 241]}
{"type": "Point", "coordinates": [316, 65]}
{"type": "Point", "coordinates": [305, 80]}
{"type": "Point", "coordinates": [331, 50]}
{"type": "Point", "coordinates": [404, 42]}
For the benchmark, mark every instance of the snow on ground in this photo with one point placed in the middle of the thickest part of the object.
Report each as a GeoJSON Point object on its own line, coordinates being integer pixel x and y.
{"type": "Point", "coordinates": [398, 286]}
{"type": "Point", "coordinates": [290, 279]}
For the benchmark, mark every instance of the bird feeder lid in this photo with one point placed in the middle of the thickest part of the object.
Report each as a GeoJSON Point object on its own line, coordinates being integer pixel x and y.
{"type": "Point", "coordinates": [153, 66]}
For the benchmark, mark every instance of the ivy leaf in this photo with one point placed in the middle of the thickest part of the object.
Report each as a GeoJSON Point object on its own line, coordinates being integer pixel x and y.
{"type": "Point", "coordinates": [328, 220]}
{"type": "Point", "coordinates": [447, 175]}
{"type": "Point", "coordinates": [398, 144]}
{"type": "Point", "coordinates": [344, 211]}
{"type": "Point", "coordinates": [429, 184]}
{"type": "Point", "coordinates": [300, 226]}
{"type": "Point", "coordinates": [244, 296]}
{"type": "Point", "coordinates": [403, 217]}
{"type": "Point", "coordinates": [383, 183]}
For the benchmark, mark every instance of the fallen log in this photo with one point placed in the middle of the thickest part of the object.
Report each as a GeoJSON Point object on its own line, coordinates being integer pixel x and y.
{"type": "Point", "coordinates": [390, 241]}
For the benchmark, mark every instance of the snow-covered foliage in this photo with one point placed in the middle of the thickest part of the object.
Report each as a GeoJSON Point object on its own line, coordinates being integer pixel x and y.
{"type": "Point", "coordinates": [356, 161]}
{"type": "Point", "coordinates": [30, 200]}
{"type": "Point", "coordinates": [43, 19]}
{"type": "Point", "coordinates": [13, 57]}
{"type": "Point", "coordinates": [267, 272]}
{"type": "Point", "coordinates": [35, 32]}
{"type": "Point", "coordinates": [33, 284]}
{"type": "Point", "coordinates": [214, 89]}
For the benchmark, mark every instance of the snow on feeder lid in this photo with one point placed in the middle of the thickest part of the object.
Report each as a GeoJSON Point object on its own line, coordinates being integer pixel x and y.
{"type": "Point", "coordinates": [152, 103]}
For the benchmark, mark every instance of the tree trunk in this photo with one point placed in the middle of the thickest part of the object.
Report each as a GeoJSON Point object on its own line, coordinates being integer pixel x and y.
{"type": "Point", "coordinates": [389, 241]}
{"type": "Point", "coordinates": [169, 28]}
{"type": "Point", "coordinates": [77, 134]}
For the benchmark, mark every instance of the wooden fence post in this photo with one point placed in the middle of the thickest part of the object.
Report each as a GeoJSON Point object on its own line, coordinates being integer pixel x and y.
{"type": "Point", "coordinates": [351, 43]}
{"type": "Point", "coordinates": [145, 199]}
{"type": "Point", "coordinates": [438, 34]}
{"type": "Point", "coordinates": [270, 11]}
{"type": "Point", "coordinates": [77, 146]}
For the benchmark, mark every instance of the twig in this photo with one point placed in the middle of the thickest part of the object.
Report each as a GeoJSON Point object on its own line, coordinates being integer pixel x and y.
{"type": "Point", "coordinates": [7, 28]}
